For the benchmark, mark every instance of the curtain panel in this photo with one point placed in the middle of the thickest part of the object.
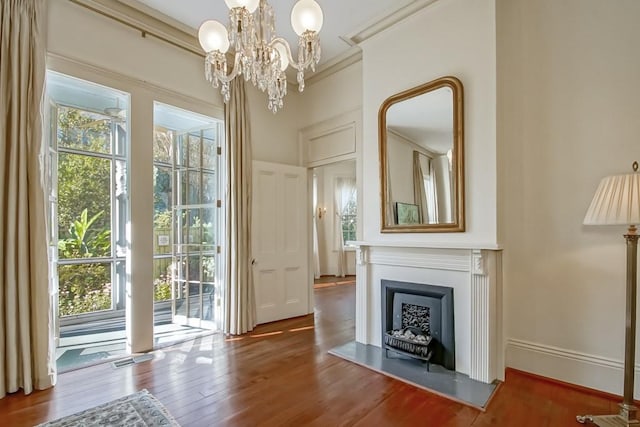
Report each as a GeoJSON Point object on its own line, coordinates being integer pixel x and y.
{"type": "Point", "coordinates": [240, 306]}
{"type": "Point", "coordinates": [26, 348]}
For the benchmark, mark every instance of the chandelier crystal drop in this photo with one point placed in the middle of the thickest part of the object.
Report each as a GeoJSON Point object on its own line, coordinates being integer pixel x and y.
{"type": "Point", "coordinates": [258, 53]}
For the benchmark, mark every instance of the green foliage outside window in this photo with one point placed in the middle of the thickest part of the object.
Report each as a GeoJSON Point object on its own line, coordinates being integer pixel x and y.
{"type": "Point", "coordinates": [84, 206]}
{"type": "Point", "coordinates": [84, 287]}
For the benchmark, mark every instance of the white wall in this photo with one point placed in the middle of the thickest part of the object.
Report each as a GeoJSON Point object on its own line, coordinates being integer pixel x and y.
{"type": "Point", "coordinates": [449, 37]}
{"type": "Point", "coordinates": [569, 103]}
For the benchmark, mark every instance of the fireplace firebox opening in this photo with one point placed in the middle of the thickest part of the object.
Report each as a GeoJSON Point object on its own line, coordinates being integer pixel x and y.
{"type": "Point", "coordinates": [417, 321]}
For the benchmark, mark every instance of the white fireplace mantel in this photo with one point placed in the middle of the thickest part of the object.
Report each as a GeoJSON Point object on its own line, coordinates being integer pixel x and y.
{"type": "Point", "coordinates": [474, 272]}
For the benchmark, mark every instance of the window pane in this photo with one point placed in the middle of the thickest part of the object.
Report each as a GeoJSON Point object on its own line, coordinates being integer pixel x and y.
{"type": "Point", "coordinates": [209, 188]}
{"type": "Point", "coordinates": [83, 130]}
{"type": "Point", "coordinates": [84, 206]}
{"type": "Point", "coordinates": [210, 153]}
{"type": "Point", "coordinates": [162, 145]}
{"type": "Point", "coordinates": [194, 150]}
{"type": "Point", "coordinates": [84, 288]}
{"type": "Point", "coordinates": [349, 203]}
{"type": "Point", "coordinates": [194, 189]}
{"type": "Point", "coordinates": [209, 268]}
{"type": "Point", "coordinates": [162, 279]}
{"type": "Point", "coordinates": [208, 226]}
{"type": "Point", "coordinates": [120, 129]}
{"type": "Point", "coordinates": [182, 150]}
{"type": "Point", "coordinates": [121, 208]}
{"type": "Point", "coordinates": [162, 204]}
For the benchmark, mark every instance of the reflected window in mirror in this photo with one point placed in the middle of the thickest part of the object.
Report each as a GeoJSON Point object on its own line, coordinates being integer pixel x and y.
{"type": "Point", "coordinates": [421, 158]}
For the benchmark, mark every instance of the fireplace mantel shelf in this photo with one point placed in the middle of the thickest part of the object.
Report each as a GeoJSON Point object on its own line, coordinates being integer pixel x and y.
{"type": "Point", "coordinates": [425, 245]}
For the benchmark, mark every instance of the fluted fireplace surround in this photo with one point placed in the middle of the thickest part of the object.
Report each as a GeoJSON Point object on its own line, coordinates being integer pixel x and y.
{"type": "Point", "coordinates": [475, 275]}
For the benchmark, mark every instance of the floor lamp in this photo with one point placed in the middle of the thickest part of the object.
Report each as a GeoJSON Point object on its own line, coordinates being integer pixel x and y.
{"type": "Point", "coordinates": [617, 202]}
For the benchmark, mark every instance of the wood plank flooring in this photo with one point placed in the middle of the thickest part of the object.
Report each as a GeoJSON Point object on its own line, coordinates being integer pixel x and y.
{"type": "Point", "coordinates": [281, 375]}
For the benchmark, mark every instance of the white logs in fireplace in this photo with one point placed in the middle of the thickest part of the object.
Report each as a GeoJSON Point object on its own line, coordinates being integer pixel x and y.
{"type": "Point", "coordinates": [472, 279]}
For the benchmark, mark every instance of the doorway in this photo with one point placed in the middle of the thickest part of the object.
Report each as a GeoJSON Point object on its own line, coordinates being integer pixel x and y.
{"type": "Point", "coordinates": [88, 204]}
{"type": "Point", "coordinates": [335, 206]}
{"type": "Point", "coordinates": [186, 224]}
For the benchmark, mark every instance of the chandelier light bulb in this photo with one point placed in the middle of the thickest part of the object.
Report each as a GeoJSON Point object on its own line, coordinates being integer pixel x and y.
{"type": "Point", "coordinates": [213, 36]}
{"type": "Point", "coordinates": [306, 15]}
{"type": "Point", "coordinates": [250, 5]}
{"type": "Point", "coordinates": [284, 58]}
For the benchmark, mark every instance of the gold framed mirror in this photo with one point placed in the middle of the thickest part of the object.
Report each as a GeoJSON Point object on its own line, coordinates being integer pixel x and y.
{"type": "Point", "coordinates": [421, 142]}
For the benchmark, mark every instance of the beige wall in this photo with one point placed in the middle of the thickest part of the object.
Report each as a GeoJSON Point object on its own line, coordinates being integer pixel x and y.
{"type": "Point", "coordinates": [569, 103]}
{"type": "Point", "coordinates": [332, 96]}
{"type": "Point", "coordinates": [274, 137]}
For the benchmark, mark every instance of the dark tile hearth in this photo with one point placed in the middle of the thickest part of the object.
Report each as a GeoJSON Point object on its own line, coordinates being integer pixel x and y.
{"type": "Point", "coordinates": [438, 380]}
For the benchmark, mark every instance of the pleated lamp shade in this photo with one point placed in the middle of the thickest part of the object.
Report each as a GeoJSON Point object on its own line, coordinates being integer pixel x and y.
{"type": "Point", "coordinates": [616, 202]}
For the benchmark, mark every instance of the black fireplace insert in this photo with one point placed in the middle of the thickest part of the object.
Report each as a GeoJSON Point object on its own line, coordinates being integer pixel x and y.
{"type": "Point", "coordinates": [417, 321]}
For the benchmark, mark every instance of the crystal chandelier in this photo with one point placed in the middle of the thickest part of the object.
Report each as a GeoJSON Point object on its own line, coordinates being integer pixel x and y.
{"type": "Point", "coordinates": [259, 54]}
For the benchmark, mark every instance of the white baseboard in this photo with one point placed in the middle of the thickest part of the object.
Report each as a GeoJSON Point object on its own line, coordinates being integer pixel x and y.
{"type": "Point", "coordinates": [573, 367]}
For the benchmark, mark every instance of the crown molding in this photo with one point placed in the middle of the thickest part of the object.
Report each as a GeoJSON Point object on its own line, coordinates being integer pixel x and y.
{"type": "Point", "coordinates": [372, 28]}
{"type": "Point", "coordinates": [147, 21]}
{"type": "Point", "coordinates": [340, 62]}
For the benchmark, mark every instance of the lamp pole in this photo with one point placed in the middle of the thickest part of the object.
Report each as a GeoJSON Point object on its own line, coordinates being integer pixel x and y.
{"type": "Point", "coordinates": [628, 411]}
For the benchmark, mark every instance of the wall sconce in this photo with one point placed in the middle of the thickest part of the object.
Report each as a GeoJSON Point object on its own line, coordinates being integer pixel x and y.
{"type": "Point", "coordinates": [321, 211]}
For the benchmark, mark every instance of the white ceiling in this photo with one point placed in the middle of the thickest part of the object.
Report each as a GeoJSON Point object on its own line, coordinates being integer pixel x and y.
{"type": "Point", "coordinates": [343, 19]}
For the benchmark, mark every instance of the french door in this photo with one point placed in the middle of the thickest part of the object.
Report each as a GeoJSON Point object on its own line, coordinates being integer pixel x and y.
{"type": "Point", "coordinates": [196, 222]}
{"type": "Point", "coordinates": [186, 217]}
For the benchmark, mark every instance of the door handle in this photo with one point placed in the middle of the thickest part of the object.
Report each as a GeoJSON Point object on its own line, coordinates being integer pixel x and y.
{"type": "Point", "coordinates": [253, 261]}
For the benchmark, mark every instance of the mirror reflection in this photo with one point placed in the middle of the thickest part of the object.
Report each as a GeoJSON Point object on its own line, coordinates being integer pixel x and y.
{"type": "Point", "coordinates": [421, 159]}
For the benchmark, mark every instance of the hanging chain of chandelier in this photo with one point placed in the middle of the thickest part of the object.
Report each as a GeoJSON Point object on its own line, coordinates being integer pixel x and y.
{"type": "Point", "coordinates": [259, 54]}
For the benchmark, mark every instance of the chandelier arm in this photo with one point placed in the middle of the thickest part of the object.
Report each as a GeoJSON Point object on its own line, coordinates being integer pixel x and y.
{"type": "Point", "coordinates": [235, 72]}
{"type": "Point", "coordinates": [292, 62]}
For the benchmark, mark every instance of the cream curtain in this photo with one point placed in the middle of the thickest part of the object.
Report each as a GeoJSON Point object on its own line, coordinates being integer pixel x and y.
{"type": "Point", "coordinates": [26, 350]}
{"type": "Point", "coordinates": [432, 194]}
{"type": "Point", "coordinates": [337, 228]}
{"type": "Point", "coordinates": [316, 248]}
{"type": "Point", "coordinates": [344, 187]}
{"type": "Point", "coordinates": [240, 307]}
{"type": "Point", "coordinates": [418, 187]}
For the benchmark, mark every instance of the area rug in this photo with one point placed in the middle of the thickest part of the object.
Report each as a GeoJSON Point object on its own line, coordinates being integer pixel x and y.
{"type": "Point", "coordinates": [140, 409]}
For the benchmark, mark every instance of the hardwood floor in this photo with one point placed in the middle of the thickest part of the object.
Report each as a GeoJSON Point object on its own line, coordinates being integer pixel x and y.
{"type": "Point", "coordinates": [282, 375]}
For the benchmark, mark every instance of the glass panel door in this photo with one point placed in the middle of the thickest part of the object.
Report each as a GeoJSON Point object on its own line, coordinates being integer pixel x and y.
{"type": "Point", "coordinates": [186, 219]}
{"type": "Point", "coordinates": [195, 216]}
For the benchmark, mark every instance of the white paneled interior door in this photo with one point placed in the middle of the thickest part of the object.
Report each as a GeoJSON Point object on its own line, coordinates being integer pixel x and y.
{"type": "Point", "coordinates": [280, 241]}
